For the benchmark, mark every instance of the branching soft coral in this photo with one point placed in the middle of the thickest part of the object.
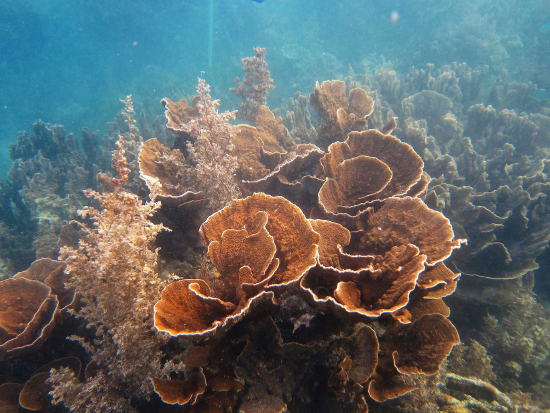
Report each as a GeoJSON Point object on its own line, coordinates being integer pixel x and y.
{"type": "Point", "coordinates": [132, 141]}
{"type": "Point", "coordinates": [211, 152]}
{"type": "Point", "coordinates": [255, 86]}
{"type": "Point", "coordinates": [115, 271]}
{"type": "Point", "coordinates": [132, 145]}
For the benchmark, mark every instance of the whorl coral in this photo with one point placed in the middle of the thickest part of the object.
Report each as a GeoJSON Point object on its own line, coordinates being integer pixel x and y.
{"type": "Point", "coordinates": [368, 167]}
{"type": "Point", "coordinates": [381, 287]}
{"type": "Point", "coordinates": [294, 178]}
{"type": "Point", "coordinates": [255, 243]}
{"type": "Point", "coordinates": [259, 148]}
{"type": "Point", "coordinates": [409, 220]}
{"type": "Point", "coordinates": [340, 113]}
{"type": "Point", "coordinates": [27, 314]}
{"type": "Point", "coordinates": [292, 233]}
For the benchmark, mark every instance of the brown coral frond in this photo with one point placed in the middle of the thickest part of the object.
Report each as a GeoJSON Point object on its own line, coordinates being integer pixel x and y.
{"type": "Point", "coordinates": [295, 239]}
{"type": "Point", "coordinates": [9, 397]}
{"type": "Point", "coordinates": [332, 236]}
{"type": "Point", "coordinates": [409, 220]}
{"type": "Point", "coordinates": [248, 150]}
{"type": "Point", "coordinates": [426, 345]}
{"type": "Point", "coordinates": [27, 314]}
{"type": "Point", "coordinates": [403, 161]}
{"type": "Point", "coordinates": [355, 179]}
{"type": "Point", "coordinates": [241, 258]}
{"type": "Point", "coordinates": [383, 287]}
{"type": "Point", "coordinates": [53, 274]}
{"type": "Point", "coordinates": [389, 127]}
{"type": "Point", "coordinates": [167, 166]}
{"type": "Point", "coordinates": [362, 348]}
{"type": "Point", "coordinates": [365, 170]}
{"type": "Point", "coordinates": [292, 176]}
{"type": "Point", "coordinates": [271, 131]}
{"type": "Point", "coordinates": [360, 103]}
{"type": "Point", "coordinates": [44, 270]}
{"type": "Point", "coordinates": [419, 307]}
{"type": "Point", "coordinates": [340, 114]}
{"type": "Point", "coordinates": [34, 395]}
{"type": "Point", "coordinates": [386, 388]}
{"type": "Point", "coordinates": [438, 280]}
{"type": "Point", "coordinates": [181, 392]}
{"type": "Point", "coordinates": [178, 113]}
{"type": "Point", "coordinates": [185, 308]}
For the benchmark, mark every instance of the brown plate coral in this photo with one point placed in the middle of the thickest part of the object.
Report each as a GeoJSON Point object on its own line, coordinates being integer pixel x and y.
{"type": "Point", "coordinates": [360, 305]}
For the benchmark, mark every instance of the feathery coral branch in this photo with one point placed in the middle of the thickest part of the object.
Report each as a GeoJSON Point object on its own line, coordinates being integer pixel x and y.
{"type": "Point", "coordinates": [211, 152]}
{"type": "Point", "coordinates": [114, 269]}
{"type": "Point", "coordinates": [255, 86]}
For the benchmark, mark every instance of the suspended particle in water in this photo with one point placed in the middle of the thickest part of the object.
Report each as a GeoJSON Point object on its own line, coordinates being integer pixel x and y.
{"type": "Point", "coordinates": [394, 16]}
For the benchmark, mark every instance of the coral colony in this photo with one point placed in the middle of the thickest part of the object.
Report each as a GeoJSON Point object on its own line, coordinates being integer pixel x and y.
{"type": "Point", "coordinates": [281, 265]}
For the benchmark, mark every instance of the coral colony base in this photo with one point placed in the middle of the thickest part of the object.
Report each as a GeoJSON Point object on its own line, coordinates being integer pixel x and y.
{"type": "Point", "coordinates": [295, 265]}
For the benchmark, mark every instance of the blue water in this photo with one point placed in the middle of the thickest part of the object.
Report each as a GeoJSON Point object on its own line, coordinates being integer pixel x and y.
{"type": "Point", "coordinates": [70, 62]}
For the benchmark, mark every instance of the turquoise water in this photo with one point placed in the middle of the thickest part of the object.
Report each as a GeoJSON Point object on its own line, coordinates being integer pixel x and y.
{"type": "Point", "coordinates": [69, 63]}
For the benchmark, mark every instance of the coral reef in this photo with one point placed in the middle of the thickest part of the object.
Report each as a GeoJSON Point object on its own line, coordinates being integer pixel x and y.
{"type": "Point", "coordinates": [520, 347]}
{"type": "Point", "coordinates": [326, 242]}
{"type": "Point", "coordinates": [41, 193]}
{"type": "Point", "coordinates": [45, 185]}
{"type": "Point", "coordinates": [381, 288]}
{"type": "Point", "coordinates": [489, 165]}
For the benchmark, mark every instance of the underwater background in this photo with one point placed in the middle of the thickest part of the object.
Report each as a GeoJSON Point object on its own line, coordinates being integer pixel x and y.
{"type": "Point", "coordinates": [464, 86]}
{"type": "Point", "coordinates": [70, 62]}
